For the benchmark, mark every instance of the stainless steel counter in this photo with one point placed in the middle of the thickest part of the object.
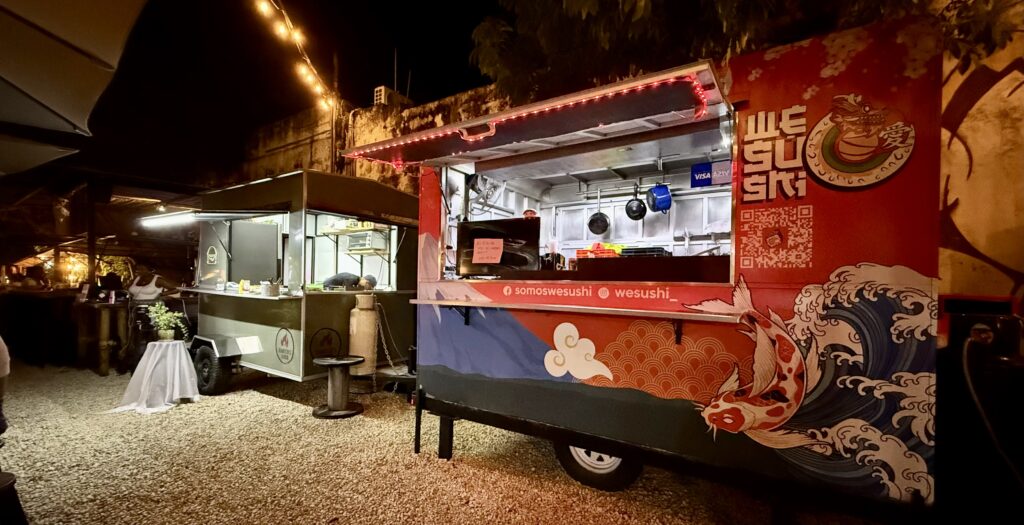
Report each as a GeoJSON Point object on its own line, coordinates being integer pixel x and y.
{"type": "Point", "coordinates": [241, 295]}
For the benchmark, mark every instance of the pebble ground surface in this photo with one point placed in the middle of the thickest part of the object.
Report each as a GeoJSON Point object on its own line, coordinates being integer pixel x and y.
{"type": "Point", "coordinates": [256, 455]}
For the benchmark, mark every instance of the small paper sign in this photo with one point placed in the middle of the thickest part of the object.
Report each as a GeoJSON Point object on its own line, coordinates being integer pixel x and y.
{"type": "Point", "coordinates": [487, 251]}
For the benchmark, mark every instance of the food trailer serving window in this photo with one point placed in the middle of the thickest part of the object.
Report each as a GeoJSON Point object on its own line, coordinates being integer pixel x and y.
{"type": "Point", "coordinates": [239, 245]}
{"type": "Point", "coordinates": [341, 244]}
{"type": "Point", "coordinates": [653, 210]}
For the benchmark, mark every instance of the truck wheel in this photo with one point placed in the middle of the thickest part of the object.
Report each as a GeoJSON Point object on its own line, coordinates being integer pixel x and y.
{"type": "Point", "coordinates": [213, 374]}
{"type": "Point", "coordinates": [597, 469]}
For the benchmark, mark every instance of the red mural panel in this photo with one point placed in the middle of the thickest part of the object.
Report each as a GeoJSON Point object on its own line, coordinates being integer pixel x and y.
{"type": "Point", "coordinates": [837, 154]}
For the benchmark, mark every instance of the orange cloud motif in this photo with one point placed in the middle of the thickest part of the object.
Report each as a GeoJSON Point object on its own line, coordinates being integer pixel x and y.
{"type": "Point", "coordinates": [646, 357]}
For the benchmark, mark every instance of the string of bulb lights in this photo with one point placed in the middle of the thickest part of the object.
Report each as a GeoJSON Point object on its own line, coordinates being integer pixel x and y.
{"type": "Point", "coordinates": [282, 26]}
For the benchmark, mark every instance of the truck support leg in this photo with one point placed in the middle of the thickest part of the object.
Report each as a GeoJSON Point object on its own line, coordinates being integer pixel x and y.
{"type": "Point", "coordinates": [419, 421]}
{"type": "Point", "coordinates": [445, 437]}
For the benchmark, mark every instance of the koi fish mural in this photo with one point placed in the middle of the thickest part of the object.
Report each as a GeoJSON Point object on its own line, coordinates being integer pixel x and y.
{"type": "Point", "coordinates": [801, 367]}
{"type": "Point", "coordinates": [760, 407]}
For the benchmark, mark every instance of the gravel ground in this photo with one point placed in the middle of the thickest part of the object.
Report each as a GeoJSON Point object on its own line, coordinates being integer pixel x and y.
{"type": "Point", "coordinates": [256, 455]}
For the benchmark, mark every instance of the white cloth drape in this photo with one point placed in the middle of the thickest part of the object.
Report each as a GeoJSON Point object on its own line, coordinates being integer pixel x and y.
{"type": "Point", "coordinates": [165, 375]}
{"type": "Point", "coordinates": [5, 359]}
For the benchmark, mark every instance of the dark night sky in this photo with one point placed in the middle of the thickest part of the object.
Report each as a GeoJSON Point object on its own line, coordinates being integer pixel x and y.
{"type": "Point", "coordinates": [198, 76]}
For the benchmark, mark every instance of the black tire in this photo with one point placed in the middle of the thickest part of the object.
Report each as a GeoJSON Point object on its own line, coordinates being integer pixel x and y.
{"type": "Point", "coordinates": [213, 374]}
{"type": "Point", "coordinates": [596, 469]}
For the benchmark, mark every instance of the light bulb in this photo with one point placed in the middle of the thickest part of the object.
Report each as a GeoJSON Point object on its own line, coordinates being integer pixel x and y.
{"type": "Point", "coordinates": [318, 89]}
{"type": "Point", "coordinates": [324, 105]}
{"type": "Point", "coordinates": [309, 78]}
{"type": "Point", "coordinates": [264, 7]}
{"type": "Point", "coordinates": [298, 37]}
{"type": "Point", "coordinates": [280, 29]}
{"type": "Point", "coordinates": [302, 69]}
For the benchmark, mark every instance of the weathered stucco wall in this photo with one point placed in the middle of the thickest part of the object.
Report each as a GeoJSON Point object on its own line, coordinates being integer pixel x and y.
{"type": "Point", "coordinates": [300, 141]}
{"type": "Point", "coordinates": [982, 205]}
{"type": "Point", "coordinates": [303, 140]}
{"type": "Point", "coordinates": [384, 122]}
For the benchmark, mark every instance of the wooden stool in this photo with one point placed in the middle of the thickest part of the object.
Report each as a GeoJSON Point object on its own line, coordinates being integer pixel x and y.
{"type": "Point", "coordinates": [338, 405]}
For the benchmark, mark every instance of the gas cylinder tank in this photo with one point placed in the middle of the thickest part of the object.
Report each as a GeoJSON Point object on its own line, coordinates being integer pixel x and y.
{"type": "Point", "coordinates": [362, 334]}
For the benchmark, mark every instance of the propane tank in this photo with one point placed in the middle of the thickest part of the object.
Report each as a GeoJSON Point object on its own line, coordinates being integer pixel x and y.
{"type": "Point", "coordinates": [362, 334]}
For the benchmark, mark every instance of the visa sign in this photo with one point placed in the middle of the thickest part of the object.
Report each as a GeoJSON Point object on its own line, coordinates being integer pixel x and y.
{"type": "Point", "coordinates": [700, 175]}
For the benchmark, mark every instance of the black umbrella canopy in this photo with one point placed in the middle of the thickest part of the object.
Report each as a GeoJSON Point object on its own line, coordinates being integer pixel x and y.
{"type": "Point", "coordinates": [58, 58]}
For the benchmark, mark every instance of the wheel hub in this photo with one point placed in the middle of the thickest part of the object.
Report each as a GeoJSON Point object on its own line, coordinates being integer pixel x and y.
{"type": "Point", "coordinates": [596, 462]}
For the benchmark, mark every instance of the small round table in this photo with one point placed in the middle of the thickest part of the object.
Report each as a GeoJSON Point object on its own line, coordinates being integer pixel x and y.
{"type": "Point", "coordinates": [165, 375]}
{"type": "Point", "coordinates": [338, 405]}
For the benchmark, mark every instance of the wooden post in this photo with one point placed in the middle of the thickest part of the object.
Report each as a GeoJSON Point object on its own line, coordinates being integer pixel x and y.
{"type": "Point", "coordinates": [58, 275]}
{"type": "Point", "coordinates": [91, 238]}
{"type": "Point", "coordinates": [104, 342]}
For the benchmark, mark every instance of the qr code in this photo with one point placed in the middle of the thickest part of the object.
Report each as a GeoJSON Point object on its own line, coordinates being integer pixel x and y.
{"type": "Point", "coordinates": [776, 237]}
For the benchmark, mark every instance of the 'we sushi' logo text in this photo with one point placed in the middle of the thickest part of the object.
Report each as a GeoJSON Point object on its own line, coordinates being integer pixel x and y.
{"type": "Point", "coordinates": [772, 162]}
{"type": "Point", "coordinates": [853, 146]}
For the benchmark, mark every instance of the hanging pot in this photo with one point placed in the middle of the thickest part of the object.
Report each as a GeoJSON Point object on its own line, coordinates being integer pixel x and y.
{"type": "Point", "coordinates": [659, 198]}
{"type": "Point", "coordinates": [598, 222]}
{"type": "Point", "coordinates": [635, 208]}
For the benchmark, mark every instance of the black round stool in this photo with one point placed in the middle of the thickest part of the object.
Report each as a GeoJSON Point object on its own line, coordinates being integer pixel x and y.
{"type": "Point", "coordinates": [10, 506]}
{"type": "Point", "coordinates": [338, 405]}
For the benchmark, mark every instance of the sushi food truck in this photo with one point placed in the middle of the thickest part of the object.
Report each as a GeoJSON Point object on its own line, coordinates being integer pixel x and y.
{"type": "Point", "coordinates": [285, 235]}
{"type": "Point", "coordinates": [732, 264]}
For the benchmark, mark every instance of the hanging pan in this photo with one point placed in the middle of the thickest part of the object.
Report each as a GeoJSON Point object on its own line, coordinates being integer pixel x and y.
{"type": "Point", "coordinates": [598, 222]}
{"type": "Point", "coordinates": [635, 208]}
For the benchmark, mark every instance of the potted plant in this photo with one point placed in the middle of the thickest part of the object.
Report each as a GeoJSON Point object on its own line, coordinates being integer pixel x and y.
{"type": "Point", "coordinates": [165, 321]}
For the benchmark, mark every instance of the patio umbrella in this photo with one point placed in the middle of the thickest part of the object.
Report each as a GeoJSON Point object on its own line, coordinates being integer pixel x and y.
{"type": "Point", "coordinates": [57, 58]}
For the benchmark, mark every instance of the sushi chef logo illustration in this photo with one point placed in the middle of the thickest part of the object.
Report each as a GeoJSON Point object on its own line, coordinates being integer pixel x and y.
{"type": "Point", "coordinates": [855, 145]}
{"type": "Point", "coordinates": [211, 255]}
{"type": "Point", "coordinates": [285, 346]}
{"type": "Point", "coordinates": [858, 144]}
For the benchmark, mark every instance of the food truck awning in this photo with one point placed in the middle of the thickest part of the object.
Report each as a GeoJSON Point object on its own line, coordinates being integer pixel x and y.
{"type": "Point", "coordinates": [657, 101]}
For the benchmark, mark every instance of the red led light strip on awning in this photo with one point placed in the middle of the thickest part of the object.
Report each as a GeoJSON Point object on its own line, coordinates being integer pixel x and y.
{"type": "Point", "coordinates": [492, 125]}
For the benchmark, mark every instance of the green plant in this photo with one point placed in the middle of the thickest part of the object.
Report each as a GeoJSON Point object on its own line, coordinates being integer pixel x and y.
{"type": "Point", "coordinates": [164, 319]}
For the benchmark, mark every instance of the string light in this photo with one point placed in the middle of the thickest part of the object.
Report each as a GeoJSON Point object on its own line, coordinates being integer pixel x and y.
{"type": "Point", "coordinates": [283, 27]}
{"type": "Point", "coordinates": [264, 7]}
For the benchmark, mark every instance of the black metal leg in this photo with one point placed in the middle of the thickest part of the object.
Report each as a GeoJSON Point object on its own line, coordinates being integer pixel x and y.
{"type": "Point", "coordinates": [419, 420]}
{"type": "Point", "coordinates": [445, 437]}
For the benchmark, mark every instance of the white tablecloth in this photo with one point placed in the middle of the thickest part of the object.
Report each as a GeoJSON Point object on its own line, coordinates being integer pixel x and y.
{"type": "Point", "coordinates": [165, 375]}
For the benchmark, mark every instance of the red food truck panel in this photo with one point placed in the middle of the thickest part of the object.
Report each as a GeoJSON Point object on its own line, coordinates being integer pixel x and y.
{"type": "Point", "coordinates": [837, 155]}
{"type": "Point", "coordinates": [816, 361]}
